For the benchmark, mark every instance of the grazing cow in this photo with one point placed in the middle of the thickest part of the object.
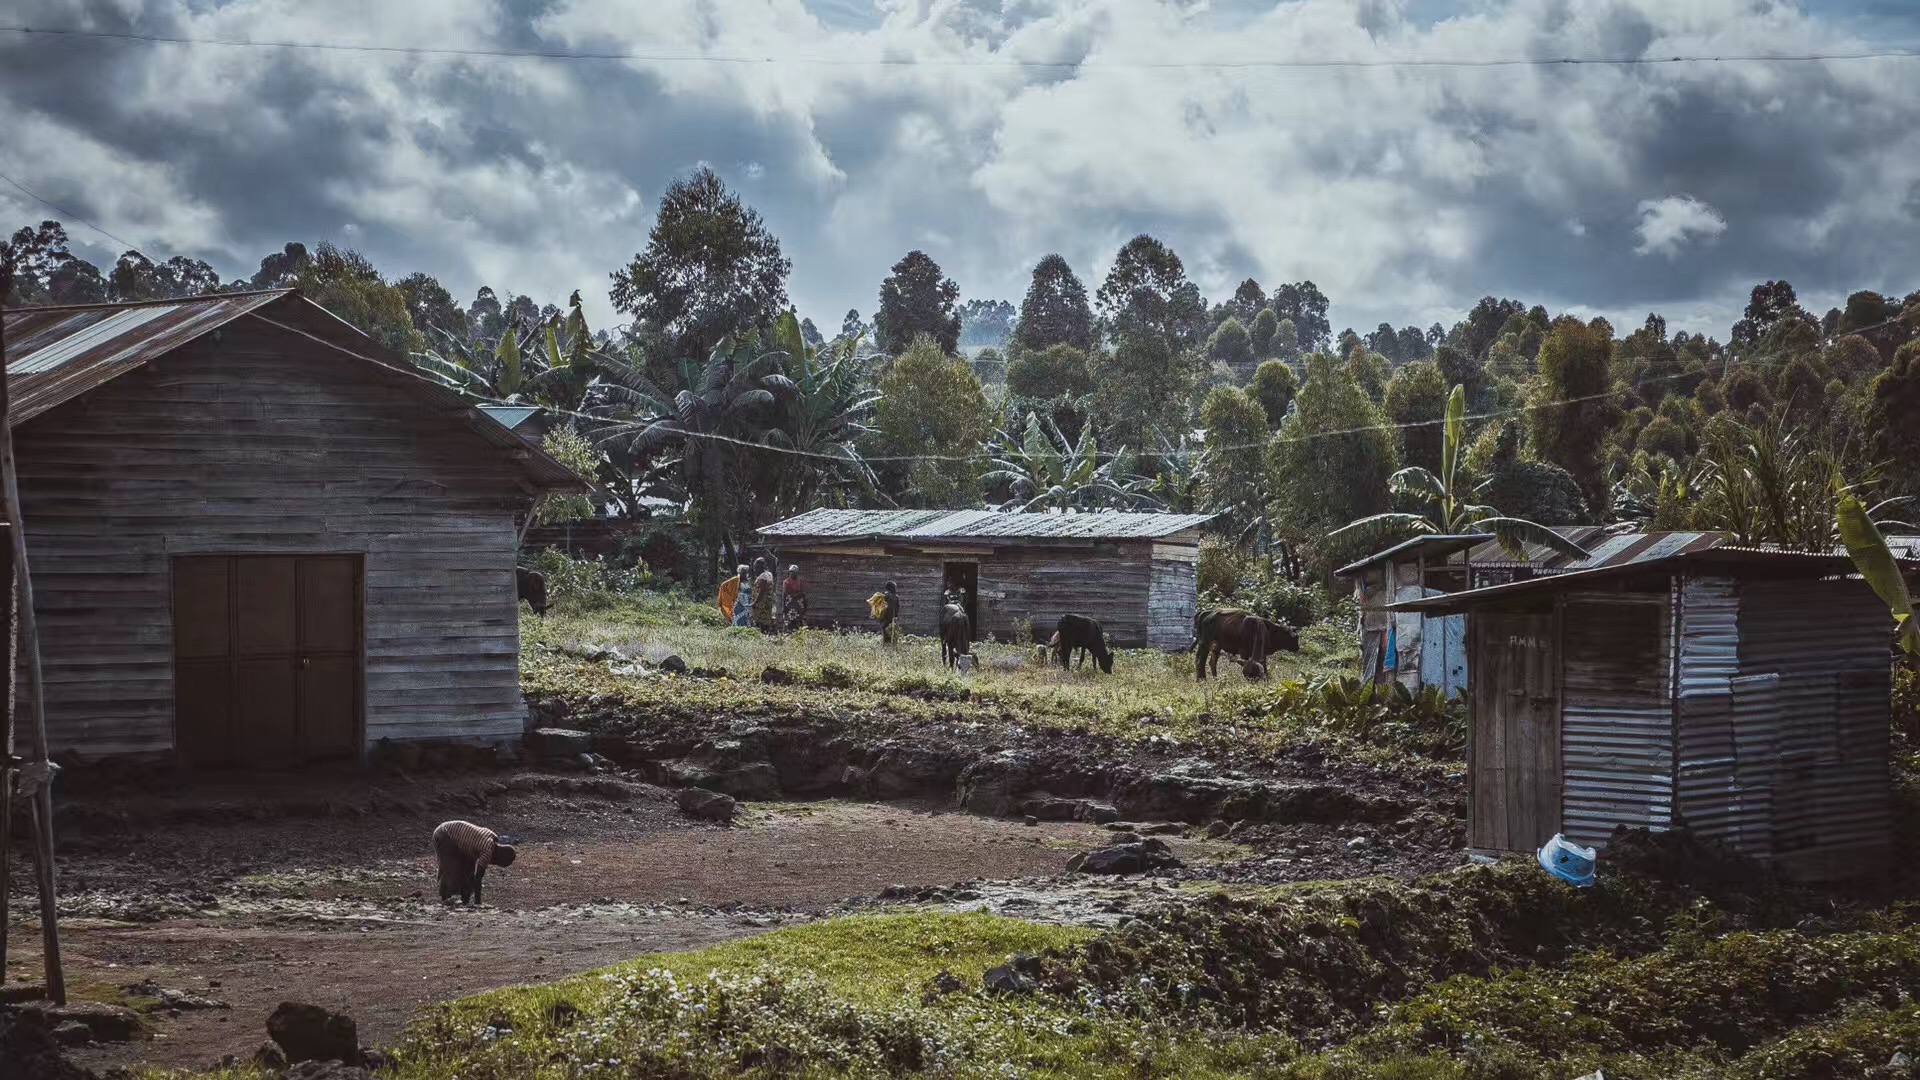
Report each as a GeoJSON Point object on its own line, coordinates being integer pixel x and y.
{"type": "Point", "coordinates": [1241, 634]}
{"type": "Point", "coordinates": [531, 585]}
{"type": "Point", "coordinates": [464, 851]}
{"type": "Point", "coordinates": [956, 635]}
{"type": "Point", "coordinates": [1077, 633]}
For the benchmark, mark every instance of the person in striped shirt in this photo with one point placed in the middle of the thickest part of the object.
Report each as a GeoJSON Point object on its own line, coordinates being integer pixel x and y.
{"type": "Point", "coordinates": [464, 851]}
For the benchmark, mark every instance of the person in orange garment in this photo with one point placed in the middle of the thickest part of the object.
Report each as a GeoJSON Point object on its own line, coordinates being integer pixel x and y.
{"type": "Point", "coordinates": [730, 593]}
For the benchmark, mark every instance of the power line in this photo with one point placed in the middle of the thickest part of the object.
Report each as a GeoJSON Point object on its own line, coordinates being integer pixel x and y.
{"type": "Point", "coordinates": [1496, 414]}
{"type": "Point", "coordinates": [63, 212]}
{"type": "Point", "coordinates": [1333, 63]}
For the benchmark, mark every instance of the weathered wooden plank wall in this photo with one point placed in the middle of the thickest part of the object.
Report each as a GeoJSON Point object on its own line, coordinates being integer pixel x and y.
{"type": "Point", "coordinates": [266, 442]}
{"type": "Point", "coordinates": [1019, 586]}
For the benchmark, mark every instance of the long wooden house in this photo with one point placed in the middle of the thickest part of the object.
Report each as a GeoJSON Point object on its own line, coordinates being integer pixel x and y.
{"type": "Point", "coordinates": [257, 539]}
{"type": "Point", "coordinates": [1132, 571]}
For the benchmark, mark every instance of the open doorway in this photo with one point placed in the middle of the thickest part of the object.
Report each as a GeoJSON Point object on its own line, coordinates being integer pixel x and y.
{"type": "Point", "coordinates": [965, 576]}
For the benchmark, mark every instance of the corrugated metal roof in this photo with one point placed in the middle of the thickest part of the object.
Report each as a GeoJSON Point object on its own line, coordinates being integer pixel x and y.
{"type": "Point", "coordinates": [1438, 545]}
{"type": "Point", "coordinates": [981, 524]}
{"type": "Point", "coordinates": [1626, 552]}
{"type": "Point", "coordinates": [57, 354]}
{"type": "Point", "coordinates": [511, 416]}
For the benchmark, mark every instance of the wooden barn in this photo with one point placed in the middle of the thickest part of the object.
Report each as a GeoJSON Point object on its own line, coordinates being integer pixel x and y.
{"type": "Point", "coordinates": [1680, 682]}
{"type": "Point", "coordinates": [256, 539]}
{"type": "Point", "coordinates": [1134, 572]}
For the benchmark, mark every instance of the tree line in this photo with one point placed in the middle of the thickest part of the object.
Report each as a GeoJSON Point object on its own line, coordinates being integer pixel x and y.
{"type": "Point", "coordinates": [718, 398]}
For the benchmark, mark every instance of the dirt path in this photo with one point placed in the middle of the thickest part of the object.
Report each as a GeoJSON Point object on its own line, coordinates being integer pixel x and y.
{"type": "Point", "coordinates": [340, 910]}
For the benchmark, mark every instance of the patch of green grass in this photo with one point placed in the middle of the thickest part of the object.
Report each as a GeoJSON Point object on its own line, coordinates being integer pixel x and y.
{"type": "Point", "coordinates": [1150, 694]}
{"type": "Point", "coordinates": [844, 998]}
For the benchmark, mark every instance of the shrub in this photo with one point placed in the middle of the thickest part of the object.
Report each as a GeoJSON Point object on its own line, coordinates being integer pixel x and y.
{"type": "Point", "coordinates": [587, 583]}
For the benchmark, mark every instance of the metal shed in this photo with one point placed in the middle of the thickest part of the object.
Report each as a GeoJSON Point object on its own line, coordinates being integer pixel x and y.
{"type": "Point", "coordinates": [1132, 571]}
{"type": "Point", "coordinates": [257, 539]}
{"type": "Point", "coordinates": [1740, 693]}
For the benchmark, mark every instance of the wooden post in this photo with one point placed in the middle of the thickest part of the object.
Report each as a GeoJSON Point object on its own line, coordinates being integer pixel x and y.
{"type": "Point", "coordinates": [6, 725]}
{"type": "Point", "coordinates": [36, 777]}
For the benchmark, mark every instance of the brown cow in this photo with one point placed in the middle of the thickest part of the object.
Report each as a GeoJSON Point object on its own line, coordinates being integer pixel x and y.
{"type": "Point", "coordinates": [1241, 634]}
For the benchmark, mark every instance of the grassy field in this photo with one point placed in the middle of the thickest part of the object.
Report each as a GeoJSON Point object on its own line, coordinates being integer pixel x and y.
{"type": "Point", "coordinates": [1150, 695]}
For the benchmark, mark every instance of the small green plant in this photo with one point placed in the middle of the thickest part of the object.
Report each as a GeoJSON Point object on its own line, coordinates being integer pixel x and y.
{"type": "Point", "coordinates": [587, 584]}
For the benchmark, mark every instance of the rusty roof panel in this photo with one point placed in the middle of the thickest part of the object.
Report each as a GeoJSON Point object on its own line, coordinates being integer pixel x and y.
{"type": "Point", "coordinates": [57, 354]}
{"type": "Point", "coordinates": [980, 525]}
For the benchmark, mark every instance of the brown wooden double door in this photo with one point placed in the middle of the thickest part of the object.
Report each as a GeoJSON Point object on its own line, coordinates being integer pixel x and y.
{"type": "Point", "coordinates": [266, 658]}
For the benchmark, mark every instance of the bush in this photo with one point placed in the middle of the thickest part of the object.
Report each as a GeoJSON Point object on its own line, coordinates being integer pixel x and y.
{"type": "Point", "coordinates": [587, 583]}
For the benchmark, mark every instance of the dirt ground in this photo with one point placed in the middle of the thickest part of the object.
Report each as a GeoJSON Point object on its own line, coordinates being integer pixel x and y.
{"type": "Point", "coordinates": [327, 895]}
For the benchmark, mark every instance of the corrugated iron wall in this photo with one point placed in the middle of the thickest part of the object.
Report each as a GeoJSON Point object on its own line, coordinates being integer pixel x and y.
{"type": "Point", "coordinates": [1829, 642]}
{"type": "Point", "coordinates": [1616, 715]}
{"type": "Point", "coordinates": [1714, 741]}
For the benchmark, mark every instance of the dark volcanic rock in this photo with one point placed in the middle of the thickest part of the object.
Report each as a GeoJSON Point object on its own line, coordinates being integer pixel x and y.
{"type": "Point", "coordinates": [1130, 858]}
{"type": "Point", "coordinates": [912, 771]}
{"type": "Point", "coordinates": [706, 805]}
{"type": "Point", "coordinates": [311, 1033]}
{"type": "Point", "coordinates": [559, 742]}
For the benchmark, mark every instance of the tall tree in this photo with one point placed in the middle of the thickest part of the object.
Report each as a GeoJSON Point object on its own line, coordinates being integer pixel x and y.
{"type": "Point", "coordinates": [1233, 470]}
{"type": "Point", "coordinates": [710, 268]}
{"type": "Point", "coordinates": [136, 277]}
{"type": "Point", "coordinates": [1304, 304]}
{"type": "Point", "coordinates": [1485, 323]}
{"type": "Point", "coordinates": [1055, 310]}
{"type": "Point", "coordinates": [45, 272]}
{"type": "Point", "coordinates": [1273, 386]}
{"type": "Point", "coordinates": [431, 306]}
{"type": "Point", "coordinates": [853, 326]}
{"type": "Point", "coordinates": [345, 283]}
{"type": "Point", "coordinates": [1894, 417]}
{"type": "Point", "coordinates": [1416, 403]}
{"type": "Point", "coordinates": [1233, 346]}
{"type": "Point", "coordinates": [1332, 456]}
{"type": "Point", "coordinates": [1249, 300]}
{"type": "Point", "coordinates": [1571, 410]}
{"type": "Point", "coordinates": [1265, 325]}
{"type": "Point", "coordinates": [1059, 371]}
{"type": "Point", "coordinates": [1770, 304]}
{"type": "Point", "coordinates": [281, 267]}
{"type": "Point", "coordinates": [1147, 294]}
{"type": "Point", "coordinates": [931, 410]}
{"type": "Point", "coordinates": [917, 300]}
{"type": "Point", "coordinates": [986, 323]}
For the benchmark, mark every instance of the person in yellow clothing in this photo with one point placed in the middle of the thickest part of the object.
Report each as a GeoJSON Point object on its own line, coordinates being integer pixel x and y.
{"type": "Point", "coordinates": [730, 594]}
{"type": "Point", "coordinates": [885, 606]}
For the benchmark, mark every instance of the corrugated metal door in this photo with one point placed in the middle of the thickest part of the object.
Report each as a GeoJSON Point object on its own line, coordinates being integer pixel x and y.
{"type": "Point", "coordinates": [1516, 733]}
{"type": "Point", "coordinates": [266, 658]}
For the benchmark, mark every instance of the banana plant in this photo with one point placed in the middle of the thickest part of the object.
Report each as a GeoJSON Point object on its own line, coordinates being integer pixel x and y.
{"type": "Point", "coordinates": [823, 396]}
{"type": "Point", "coordinates": [1876, 564]}
{"type": "Point", "coordinates": [474, 373]}
{"type": "Point", "coordinates": [1041, 471]}
{"type": "Point", "coordinates": [1449, 511]}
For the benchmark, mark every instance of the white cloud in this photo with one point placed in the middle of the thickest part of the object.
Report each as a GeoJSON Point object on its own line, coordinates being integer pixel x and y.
{"type": "Point", "coordinates": [863, 129]}
{"type": "Point", "coordinates": [1666, 225]}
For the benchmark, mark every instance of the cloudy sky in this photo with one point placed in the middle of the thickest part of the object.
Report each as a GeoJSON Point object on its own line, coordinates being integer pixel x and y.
{"type": "Point", "coordinates": [991, 132]}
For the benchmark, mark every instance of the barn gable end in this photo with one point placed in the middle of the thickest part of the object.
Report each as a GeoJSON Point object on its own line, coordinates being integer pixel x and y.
{"type": "Point", "coordinates": [266, 441]}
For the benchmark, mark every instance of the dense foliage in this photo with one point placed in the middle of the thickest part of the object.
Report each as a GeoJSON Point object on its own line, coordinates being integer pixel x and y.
{"type": "Point", "coordinates": [719, 406]}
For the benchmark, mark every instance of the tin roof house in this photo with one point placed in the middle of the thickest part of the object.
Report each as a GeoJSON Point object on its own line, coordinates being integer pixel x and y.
{"type": "Point", "coordinates": [1675, 680]}
{"type": "Point", "coordinates": [255, 539]}
{"type": "Point", "coordinates": [1134, 572]}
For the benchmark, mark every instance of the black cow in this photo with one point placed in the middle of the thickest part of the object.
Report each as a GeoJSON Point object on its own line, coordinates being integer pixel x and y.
{"type": "Point", "coordinates": [1241, 634]}
{"type": "Point", "coordinates": [1077, 633]}
{"type": "Point", "coordinates": [531, 585]}
{"type": "Point", "coordinates": [956, 635]}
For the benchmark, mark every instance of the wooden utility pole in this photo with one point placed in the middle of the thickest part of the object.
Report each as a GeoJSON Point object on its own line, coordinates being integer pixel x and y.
{"type": "Point", "coordinates": [35, 778]}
